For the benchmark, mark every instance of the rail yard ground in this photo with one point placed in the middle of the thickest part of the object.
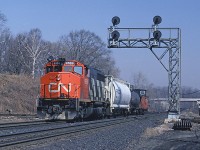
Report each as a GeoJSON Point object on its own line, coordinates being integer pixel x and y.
{"type": "Point", "coordinates": [147, 132]}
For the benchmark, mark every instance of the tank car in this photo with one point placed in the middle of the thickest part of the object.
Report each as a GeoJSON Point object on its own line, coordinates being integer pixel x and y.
{"type": "Point", "coordinates": [71, 90]}
{"type": "Point", "coordinates": [119, 94]}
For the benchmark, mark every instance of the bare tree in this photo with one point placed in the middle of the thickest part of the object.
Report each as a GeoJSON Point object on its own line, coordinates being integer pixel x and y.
{"type": "Point", "coordinates": [189, 92]}
{"type": "Point", "coordinates": [5, 47]}
{"type": "Point", "coordinates": [140, 81]}
{"type": "Point", "coordinates": [2, 21]}
{"type": "Point", "coordinates": [89, 49]}
{"type": "Point", "coordinates": [30, 47]}
{"type": "Point", "coordinates": [4, 43]}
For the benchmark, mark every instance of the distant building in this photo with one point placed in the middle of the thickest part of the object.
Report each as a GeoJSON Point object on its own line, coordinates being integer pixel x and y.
{"type": "Point", "coordinates": [162, 105]}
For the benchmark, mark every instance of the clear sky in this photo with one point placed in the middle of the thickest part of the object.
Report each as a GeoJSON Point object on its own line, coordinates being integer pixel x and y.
{"type": "Point", "coordinates": [58, 17]}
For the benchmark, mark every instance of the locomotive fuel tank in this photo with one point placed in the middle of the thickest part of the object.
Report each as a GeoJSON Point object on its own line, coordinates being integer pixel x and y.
{"type": "Point", "coordinates": [118, 92]}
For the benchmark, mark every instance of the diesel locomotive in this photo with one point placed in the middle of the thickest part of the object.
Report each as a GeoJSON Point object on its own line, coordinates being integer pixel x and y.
{"type": "Point", "coordinates": [71, 90]}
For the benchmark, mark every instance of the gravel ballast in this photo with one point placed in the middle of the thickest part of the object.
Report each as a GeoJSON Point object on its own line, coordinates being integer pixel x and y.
{"type": "Point", "coordinates": [123, 136]}
{"type": "Point", "coordinates": [148, 132]}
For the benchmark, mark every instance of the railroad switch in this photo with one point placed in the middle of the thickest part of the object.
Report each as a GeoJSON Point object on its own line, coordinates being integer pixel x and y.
{"type": "Point", "coordinates": [182, 124]}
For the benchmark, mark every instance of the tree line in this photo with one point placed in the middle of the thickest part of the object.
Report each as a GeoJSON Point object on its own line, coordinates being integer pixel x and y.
{"type": "Point", "coordinates": [140, 81]}
{"type": "Point", "coordinates": [27, 52]}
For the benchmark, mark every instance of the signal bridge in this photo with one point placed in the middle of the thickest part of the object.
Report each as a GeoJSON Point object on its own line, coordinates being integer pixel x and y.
{"type": "Point", "coordinates": [162, 42]}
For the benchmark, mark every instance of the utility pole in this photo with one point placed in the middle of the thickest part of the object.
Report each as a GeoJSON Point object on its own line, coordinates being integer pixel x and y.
{"type": "Point", "coordinates": [198, 103]}
{"type": "Point", "coordinates": [165, 40]}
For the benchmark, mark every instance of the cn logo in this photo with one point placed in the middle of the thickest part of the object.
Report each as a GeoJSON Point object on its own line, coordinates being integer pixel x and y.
{"type": "Point", "coordinates": [67, 88]}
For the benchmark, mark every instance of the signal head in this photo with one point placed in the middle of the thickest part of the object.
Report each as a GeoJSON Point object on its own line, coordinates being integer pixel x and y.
{"type": "Point", "coordinates": [157, 34]}
{"type": "Point", "coordinates": [115, 20]}
{"type": "Point", "coordinates": [115, 35]}
{"type": "Point", "coordinates": [157, 20]}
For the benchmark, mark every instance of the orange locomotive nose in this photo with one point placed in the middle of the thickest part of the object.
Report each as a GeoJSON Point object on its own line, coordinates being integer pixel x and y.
{"type": "Point", "coordinates": [60, 85]}
{"type": "Point", "coordinates": [70, 85]}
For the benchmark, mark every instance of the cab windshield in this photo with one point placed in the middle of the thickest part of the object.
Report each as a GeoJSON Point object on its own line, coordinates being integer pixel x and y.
{"type": "Point", "coordinates": [76, 69]}
{"type": "Point", "coordinates": [53, 69]}
{"type": "Point", "coordinates": [57, 68]}
{"type": "Point", "coordinates": [68, 69]}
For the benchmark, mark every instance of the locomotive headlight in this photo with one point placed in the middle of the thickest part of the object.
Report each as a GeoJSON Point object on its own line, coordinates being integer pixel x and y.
{"type": "Point", "coordinates": [58, 78]}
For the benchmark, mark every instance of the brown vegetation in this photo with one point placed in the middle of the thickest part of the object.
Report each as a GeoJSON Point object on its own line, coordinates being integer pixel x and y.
{"type": "Point", "coordinates": [152, 132]}
{"type": "Point", "coordinates": [18, 93]}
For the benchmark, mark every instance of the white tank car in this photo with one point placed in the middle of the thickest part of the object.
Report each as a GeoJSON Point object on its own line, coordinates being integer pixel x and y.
{"type": "Point", "coordinates": [118, 93]}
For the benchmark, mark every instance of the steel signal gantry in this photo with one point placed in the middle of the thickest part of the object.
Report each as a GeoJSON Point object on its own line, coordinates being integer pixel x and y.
{"type": "Point", "coordinates": [166, 40]}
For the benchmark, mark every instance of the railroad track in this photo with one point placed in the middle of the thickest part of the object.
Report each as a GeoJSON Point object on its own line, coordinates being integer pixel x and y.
{"type": "Point", "coordinates": [17, 115]}
{"type": "Point", "coordinates": [23, 124]}
{"type": "Point", "coordinates": [26, 137]}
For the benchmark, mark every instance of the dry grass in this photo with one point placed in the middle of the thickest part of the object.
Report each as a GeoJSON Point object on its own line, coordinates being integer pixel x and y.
{"type": "Point", "coordinates": [152, 132]}
{"type": "Point", "coordinates": [188, 114]}
{"type": "Point", "coordinates": [18, 93]}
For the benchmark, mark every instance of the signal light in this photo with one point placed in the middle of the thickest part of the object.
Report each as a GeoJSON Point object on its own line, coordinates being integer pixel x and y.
{"type": "Point", "coordinates": [115, 35]}
{"type": "Point", "coordinates": [115, 20]}
{"type": "Point", "coordinates": [157, 20]}
{"type": "Point", "coordinates": [157, 34]}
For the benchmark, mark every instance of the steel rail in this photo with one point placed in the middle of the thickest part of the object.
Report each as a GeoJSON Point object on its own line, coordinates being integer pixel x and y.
{"type": "Point", "coordinates": [21, 124]}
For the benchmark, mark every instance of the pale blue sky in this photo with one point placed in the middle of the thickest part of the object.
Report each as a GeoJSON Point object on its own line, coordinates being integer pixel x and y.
{"type": "Point", "coordinates": [58, 17]}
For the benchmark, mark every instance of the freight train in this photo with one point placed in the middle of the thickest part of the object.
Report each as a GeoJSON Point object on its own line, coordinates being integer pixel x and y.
{"type": "Point", "coordinates": [71, 90]}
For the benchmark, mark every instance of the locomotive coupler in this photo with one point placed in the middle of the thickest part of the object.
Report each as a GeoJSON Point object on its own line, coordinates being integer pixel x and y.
{"type": "Point", "coordinates": [55, 109]}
